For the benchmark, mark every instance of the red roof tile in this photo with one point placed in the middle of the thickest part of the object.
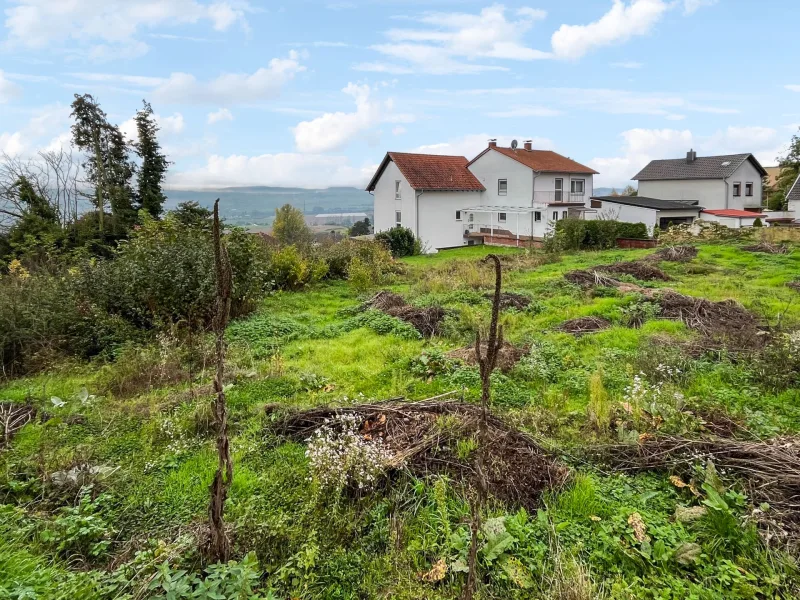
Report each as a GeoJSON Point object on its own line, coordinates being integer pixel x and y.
{"type": "Point", "coordinates": [545, 161]}
{"type": "Point", "coordinates": [731, 212]}
{"type": "Point", "coordinates": [431, 172]}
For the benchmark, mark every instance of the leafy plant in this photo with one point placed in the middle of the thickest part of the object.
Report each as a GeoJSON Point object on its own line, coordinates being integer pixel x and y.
{"type": "Point", "coordinates": [222, 581]}
{"type": "Point", "coordinates": [80, 530]}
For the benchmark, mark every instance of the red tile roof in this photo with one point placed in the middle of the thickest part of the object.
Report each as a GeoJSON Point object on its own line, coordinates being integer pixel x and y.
{"type": "Point", "coordinates": [730, 212]}
{"type": "Point", "coordinates": [429, 172]}
{"type": "Point", "coordinates": [545, 161]}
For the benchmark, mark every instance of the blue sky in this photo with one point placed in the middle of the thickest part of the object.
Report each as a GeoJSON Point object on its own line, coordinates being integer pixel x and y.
{"type": "Point", "coordinates": [313, 93]}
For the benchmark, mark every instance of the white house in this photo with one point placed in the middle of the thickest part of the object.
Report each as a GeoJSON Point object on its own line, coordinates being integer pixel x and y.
{"type": "Point", "coordinates": [653, 212]}
{"type": "Point", "coordinates": [729, 182]}
{"type": "Point", "coordinates": [793, 199]}
{"type": "Point", "coordinates": [504, 195]}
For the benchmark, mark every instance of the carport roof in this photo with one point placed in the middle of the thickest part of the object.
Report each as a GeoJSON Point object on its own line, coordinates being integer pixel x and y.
{"type": "Point", "coordinates": [652, 203]}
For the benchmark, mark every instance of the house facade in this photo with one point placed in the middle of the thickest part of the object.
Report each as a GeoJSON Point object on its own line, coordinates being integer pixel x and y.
{"type": "Point", "coordinates": [727, 182]}
{"type": "Point", "coordinates": [508, 195]}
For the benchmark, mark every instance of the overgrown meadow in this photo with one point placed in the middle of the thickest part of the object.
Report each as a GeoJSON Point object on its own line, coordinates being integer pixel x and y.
{"type": "Point", "coordinates": [105, 491]}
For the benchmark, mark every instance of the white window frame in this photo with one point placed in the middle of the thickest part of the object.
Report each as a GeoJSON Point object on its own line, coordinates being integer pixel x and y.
{"type": "Point", "coordinates": [398, 218]}
{"type": "Point", "coordinates": [458, 215]}
{"type": "Point", "coordinates": [564, 214]}
{"type": "Point", "coordinates": [737, 189]}
{"type": "Point", "coordinates": [398, 194]}
{"type": "Point", "coordinates": [501, 217]}
{"type": "Point", "coordinates": [556, 182]}
{"type": "Point", "coordinates": [555, 215]}
{"type": "Point", "coordinates": [537, 216]}
{"type": "Point", "coordinates": [502, 192]}
{"type": "Point", "coordinates": [749, 189]}
{"type": "Point", "coordinates": [583, 186]}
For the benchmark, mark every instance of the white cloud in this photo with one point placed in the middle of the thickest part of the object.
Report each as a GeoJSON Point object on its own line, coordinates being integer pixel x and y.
{"type": "Point", "coordinates": [223, 114]}
{"type": "Point", "coordinates": [113, 23]}
{"type": "Point", "coordinates": [231, 88]}
{"type": "Point", "coordinates": [640, 146]}
{"type": "Point", "coordinates": [284, 169]}
{"type": "Point", "coordinates": [334, 130]}
{"type": "Point", "coordinates": [11, 143]}
{"type": "Point", "coordinates": [793, 88]}
{"type": "Point", "coordinates": [526, 111]}
{"type": "Point", "coordinates": [629, 64]}
{"type": "Point", "coordinates": [452, 42]}
{"type": "Point", "coordinates": [8, 89]}
{"type": "Point", "coordinates": [36, 133]}
{"type": "Point", "coordinates": [472, 145]}
{"type": "Point", "coordinates": [690, 6]}
{"type": "Point", "coordinates": [168, 126]}
{"type": "Point", "coordinates": [118, 78]}
{"type": "Point", "coordinates": [621, 23]}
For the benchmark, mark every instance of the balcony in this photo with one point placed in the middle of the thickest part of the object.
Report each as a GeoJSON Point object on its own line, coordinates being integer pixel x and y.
{"type": "Point", "coordinates": [559, 197]}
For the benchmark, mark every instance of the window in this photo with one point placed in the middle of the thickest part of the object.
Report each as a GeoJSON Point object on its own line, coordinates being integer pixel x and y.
{"type": "Point", "coordinates": [737, 189]}
{"type": "Point", "coordinates": [555, 215]}
{"type": "Point", "coordinates": [398, 218]}
{"type": "Point", "coordinates": [748, 188]}
{"type": "Point", "coordinates": [597, 204]}
{"type": "Point", "coordinates": [502, 187]}
{"type": "Point", "coordinates": [578, 185]}
{"type": "Point", "coordinates": [564, 214]}
{"type": "Point", "coordinates": [537, 216]}
{"type": "Point", "coordinates": [471, 217]}
{"type": "Point", "coordinates": [501, 217]}
{"type": "Point", "coordinates": [458, 215]}
{"type": "Point", "coordinates": [397, 195]}
{"type": "Point", "coordinates": [559, 193]}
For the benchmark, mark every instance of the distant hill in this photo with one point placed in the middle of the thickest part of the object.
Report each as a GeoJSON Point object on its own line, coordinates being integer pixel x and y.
{"type": "Point", "coordinates": [603, 191]}
{"type": "Point", "coordinates": [257, 204]}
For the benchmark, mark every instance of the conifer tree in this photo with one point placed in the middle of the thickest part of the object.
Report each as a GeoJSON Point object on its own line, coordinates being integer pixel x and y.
{"type": "Point", "coordinates": [154, 163]}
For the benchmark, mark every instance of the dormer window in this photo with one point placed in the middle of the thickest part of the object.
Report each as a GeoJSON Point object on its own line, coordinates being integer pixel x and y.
{"type": "Point", "coordinates": [502, 187]}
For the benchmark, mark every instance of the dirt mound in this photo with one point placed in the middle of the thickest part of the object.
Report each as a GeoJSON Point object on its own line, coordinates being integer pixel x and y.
{"type": "Point", "coordinates": [727, 322]}
{"type": "Point", "coordinates": [767, 248]}
{"type": "Point", "coordinates": [584, 325]}
{"type": "Point", "coordinates": [424, 320]}
{"type": "Point", "coordinates": [511, 300]}
{"type": "Point", "coordinates": [506, 359]}
{"type": "Point", "coordinates": [13, 417]}
{"type": "Point", "coordinates": [640, 270]}
{"type": "Point", "coordinates": [518, 469]}
{"type": "Point", "coordinates": [674, 254]}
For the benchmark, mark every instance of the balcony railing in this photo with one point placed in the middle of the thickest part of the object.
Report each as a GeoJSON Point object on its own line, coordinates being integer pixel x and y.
{"type": "Point", "coordinates": [559, 197]}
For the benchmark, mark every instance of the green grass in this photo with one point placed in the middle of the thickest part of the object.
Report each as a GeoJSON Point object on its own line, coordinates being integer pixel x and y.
{"type": "Point", "coordinates": [301, 350]}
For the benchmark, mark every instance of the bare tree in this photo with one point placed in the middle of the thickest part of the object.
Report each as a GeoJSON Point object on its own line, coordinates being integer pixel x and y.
{"type": "Point", "coordinates": [53, 175]}
{"type": "Point", "coordinates": [219, 549]}
{"type": "Point", "coordinates": [486, 363]}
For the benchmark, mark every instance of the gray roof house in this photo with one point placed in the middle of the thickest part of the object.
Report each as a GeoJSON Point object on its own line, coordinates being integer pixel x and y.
{"type": "Point", "coordinates": [724, 182]}
{"type": "Point", "coordinates": [653, 212]}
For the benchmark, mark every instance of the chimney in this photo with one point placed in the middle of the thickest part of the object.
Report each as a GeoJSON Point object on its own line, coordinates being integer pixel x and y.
{"type": "Point", "coordinates": [528, 145]}
{"type": "Point", "coordinates": [492, 143]}
{"type": "Point", "coordinates": [691, 156]}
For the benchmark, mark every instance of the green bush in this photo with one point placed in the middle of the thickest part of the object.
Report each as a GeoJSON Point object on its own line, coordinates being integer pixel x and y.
{"type": "Point", "coordinates": [400, 241]}
{"type": "Point", "coordinates": [757, 222]}
{"type": "Point", "coordinates": [339, 255]}
{"type": "Point", "coordinates": [599, 234]}
{"type": "Point", "coordinates": [290, 270]}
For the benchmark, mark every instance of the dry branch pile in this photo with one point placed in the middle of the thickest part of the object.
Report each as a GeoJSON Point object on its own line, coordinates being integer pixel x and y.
{"type": "Point", "coordinates": [422, 436]}
{"type": "Point", "coordinates": [767, 248]}
{"type": "Point", "coordinates": [674, 254]}
{"type": "Point", "coordinates": [584, 325]}
{"type": "Point", "coordinates": [511, 300]}
{"type": "Point", "coordinates": [507, 356]}
{"type": "Point", "coordinates": [770, 469]}
{"type": "Point", "coordinates": [590, 278]}
{"type": "Point", "coordinates": [640, 270]}
{"type": "Point", "coordinates": [425, 320]}
{"type": "Point", "coordinates": [14, 417]}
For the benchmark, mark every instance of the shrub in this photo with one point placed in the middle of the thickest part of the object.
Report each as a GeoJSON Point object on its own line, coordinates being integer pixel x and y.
{"type": "Point", "coordinates": [289, 270]}
{"type": "Point", "coordinates": [339, 255]}
{"type": "Point", "coordinates": [599, 234]}
{"type": "Point", "coordinates": [289, 227]}
{"type": "Point", "coordinates": [400, 241]}
{"type": "Point", "coordinates": [757, 222]}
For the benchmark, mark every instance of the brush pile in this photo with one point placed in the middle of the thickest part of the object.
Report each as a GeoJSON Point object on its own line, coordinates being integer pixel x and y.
{"type": "Point", "coordinates": [510, 300]}
{"type": "Point", "coordinates": [13, 417]}
{"type": "Point", "coordinates": [674, 254]}
{"type": "Point", "coordinates": [600, 275]}
{"type": "Point", "coordinates": [584, 325]}
{"type": "Point", "coordinates": [422, 437]}
{"type": "Point", "coordinates": [425, 320]}
{"type": "Point", "coordinates": [507, 356]}
{"type": "Point", "coordinates": [590, 278]}
{"type": "Point", "coordinates": [770, 469]}
{"type": "Point", "coordinates": [767, 248]}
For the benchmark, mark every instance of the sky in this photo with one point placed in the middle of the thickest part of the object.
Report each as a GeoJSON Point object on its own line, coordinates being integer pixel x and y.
{"type": "Point", "coordinates": [313, 93]}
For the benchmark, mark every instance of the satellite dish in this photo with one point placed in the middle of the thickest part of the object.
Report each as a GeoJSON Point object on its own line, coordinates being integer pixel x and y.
{"type": "Point", "coordinates": [514, 144]}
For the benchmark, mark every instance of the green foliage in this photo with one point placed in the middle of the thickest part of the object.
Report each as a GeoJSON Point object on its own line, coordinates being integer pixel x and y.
{"type": "Point", "coordinates": [80, 530]}
{"type": "Point", "coordinates": [361, 228]}
{"type": "Point", "coordinates": [289, 227]}
{"type": "Point", "coordinates": [758, 223]}
{"type": "Point", "coordinates": [379, 322]}
{"type": "Point", "coordinates": [400, 241]}
{"type": "Point", "coordinates": [191, 214]}
{"type": "Point", "coordinates": [154, 163]}
{"type": "Point", "coordinates": [290, 270]}
{"type": "Point", "coordinates": [229, 581]}
{"type": "Point", "coordinates": [598, 234]}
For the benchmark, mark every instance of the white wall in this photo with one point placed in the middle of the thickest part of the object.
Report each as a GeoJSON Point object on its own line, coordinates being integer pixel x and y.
{"type": "Point", "coordinates": [732, 222]}
{"type": "Point", "coordinates": [438, 227]}
{"type": "Point", "coordinates": [709, 192]}
{"type": "Point", "coordinates": [493, 166]}
{"type": "Point", "coordinates": [629, 214]}
{"type": "Point", "coordinates": [746, 173]}
{"type": "Point", "coordinates": [386, 205]}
